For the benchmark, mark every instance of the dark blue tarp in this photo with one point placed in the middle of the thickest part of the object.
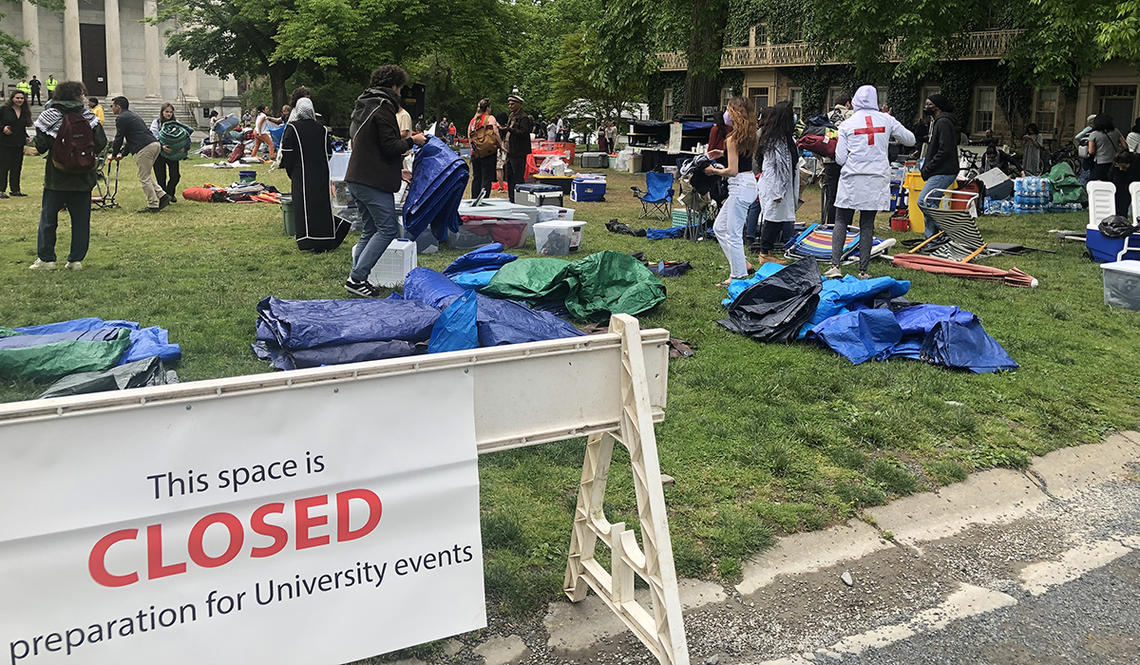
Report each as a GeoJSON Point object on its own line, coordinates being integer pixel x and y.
{"type": "Point", "coordinates": [498, 321]}
{"type": "Point", "coordinates": [439, 178]}
{"type": "Point", "coordinates": [145, 342]}
{"type": "Point", "coordinates": [662, 234]}
{"type": "Point", "coordinates": [487, 257]}
{"type": "Point", "coordinates": [841, 295]}
{"type": "Point", "coordinates": [939, 334]}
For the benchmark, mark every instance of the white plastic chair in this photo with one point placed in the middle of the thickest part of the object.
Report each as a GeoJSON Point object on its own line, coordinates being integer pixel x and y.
{"type": "Point", "coordinates": [1102, 201]}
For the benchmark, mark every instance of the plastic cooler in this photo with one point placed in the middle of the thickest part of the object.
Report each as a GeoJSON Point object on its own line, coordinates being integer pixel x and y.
{"type": "Point", "coordinates": [913, 183]}
{"type": "Point", "coordinates": [594, 160]}
{"type": "Point", "coordinates": [1122, 284]}
{"type": "Point", "coordinates": [552, 213]}
{"type": "Point", "coordinates": [541, 194]}
{"type": "Point", "coordinates": [560, 181]}
{"type": "Point", "coordinates": [398, 260]}
{"type": "Point", "coordinates": [475, 232]}
{"type": "Point", "coordinates": [558, 238]}
{"type": "Point", "coordinates": [588, 189]}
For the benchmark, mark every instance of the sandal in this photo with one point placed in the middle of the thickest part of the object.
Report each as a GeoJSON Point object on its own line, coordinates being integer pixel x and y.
{"type": "Point", "coordinates": [723, 284]}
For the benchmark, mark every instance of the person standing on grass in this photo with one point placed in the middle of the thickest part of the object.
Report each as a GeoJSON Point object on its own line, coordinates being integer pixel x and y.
{"type": "Point", "coordinates": [865, 176]}
{"type": "Point", "coordinates": [375, 171]}
{"type": "Point", "coordinates": [133, 137]}
{"type": "Point", "coordinates": [305, 151]}
{"type": "Point", "coordinates": [483, 132]}
{"type": "Point", "coordinates": [779, 183]}
{"type": "Point", "coordinates": [518, 129]}
{"type": "Point", "coordinates": [940, 168]}
{"type": "Point", "coordinates": [71, 188]}
{"type": "Point", "coordinates": [740, 146]}
{"type": "Point", "coordinates": [1103, 147]}
{"type": "Point", "coordinates": [15, 118]}
{"type": "Point", "coordinates": [166, 171]}
{"type": "Point", "coordinates": [261, 134]}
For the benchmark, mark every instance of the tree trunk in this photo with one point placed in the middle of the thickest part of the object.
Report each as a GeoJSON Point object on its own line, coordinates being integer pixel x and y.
{"type": "Point", "coordinates": [706, 44]}
{"type": "Point", "coordinates": [279, 72]}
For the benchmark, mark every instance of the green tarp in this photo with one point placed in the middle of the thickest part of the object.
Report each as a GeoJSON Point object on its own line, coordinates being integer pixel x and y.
{"type": "Point", "coordinates": [55, 359]}
{"type": "Point", "coordinates": [593, 287]}
{"type": "Point", "coordinates": [1066, 187]}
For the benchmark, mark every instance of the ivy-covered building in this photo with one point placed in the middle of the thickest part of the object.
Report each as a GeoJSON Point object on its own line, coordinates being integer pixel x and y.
{"type": "Point", "coordinates": [985, 92]}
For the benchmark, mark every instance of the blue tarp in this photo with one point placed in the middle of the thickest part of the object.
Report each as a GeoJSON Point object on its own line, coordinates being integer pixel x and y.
{"type": "Point", "coordinates": [498, 321]}
{"type": "Point", "coordinates": [439, 178]}
{"type": "Point", "coordinates": [487, 257]}
{"type": "Point", "coordinates": [737, 286]}
{"type": "Point", "coordinates": [456, 329]}
{"type": "Point", "coordinates": [145, 342]}
{"type": "Point", "coordinates": [841, 295]}
{"type": "Point", "coordinates": [474, 280]}
{"type": "Point", "coordinates": [939, 334]}
{"type": "Point", "coordinates": [662, 234]}
{"type": "Point", "coordinates": [310, 333]}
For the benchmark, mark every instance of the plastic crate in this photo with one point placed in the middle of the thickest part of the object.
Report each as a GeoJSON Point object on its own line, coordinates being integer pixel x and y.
{"type": "Point", "coordinates": [558, 238]}
{"type": "Point", "coordinates": [1122, 284]}
{"type": "Point", "coordinates": [552, 213]}
{"type": "Point", "coordinates": [680, 217]}
{"type": "Point", "coordinates": [474, 233]}
{"type": "Point", "coordinates": [587, 190]}
{"type": "Point", "coordinates": [397, 261]}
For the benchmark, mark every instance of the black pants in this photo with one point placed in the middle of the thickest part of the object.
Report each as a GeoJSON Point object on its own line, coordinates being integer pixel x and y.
{"type": "Point", "coordinates": [78, 206]}
{"type": "Point", "coordinates": [34, 98]}
{"type": "Point", "coordinates": [772, 233]}
{"type": "Point", "coordinates": [514, 170]}
{"type": "Point", "coordinates": [482, 175]}
{"type": "Point", "coordinates": [162, 166]}
{"type": "Point", "coordinates": [830, 190]}
{"type": "Point", "coordinates": [843, 219]}
{"type": "Point", "coordinates": [1102, 171]}
{"type": "Point", "coordinates": [11, 164]}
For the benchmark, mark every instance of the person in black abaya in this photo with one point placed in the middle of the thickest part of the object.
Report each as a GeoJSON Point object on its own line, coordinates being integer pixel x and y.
{"type": "Point", "coordinates": [306, 149]}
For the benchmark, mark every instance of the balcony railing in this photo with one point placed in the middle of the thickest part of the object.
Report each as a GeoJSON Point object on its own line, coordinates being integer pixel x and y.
{"type": "Point", "coordinates": [987, 45]}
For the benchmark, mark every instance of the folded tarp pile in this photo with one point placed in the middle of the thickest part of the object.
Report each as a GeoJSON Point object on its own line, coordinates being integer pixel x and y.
{"type": "Point", "coordinates": [293, 334]}
{"type": "Point", "coordinates": [439, 178]}
{"type": "Point", "coordinates": [475, 269]}
{"type": "Point", "coordinates": [859, 319]}
{"type": "Point", "coordinates": [91, 345]}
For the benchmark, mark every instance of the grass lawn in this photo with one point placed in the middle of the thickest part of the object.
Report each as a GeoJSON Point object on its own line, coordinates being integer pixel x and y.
{"type": "Point", "coordinates": [762, 439]}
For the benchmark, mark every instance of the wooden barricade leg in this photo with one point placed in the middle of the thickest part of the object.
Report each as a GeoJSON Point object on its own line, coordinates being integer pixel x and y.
{"type": "Point", "coordinates": [661, 627]}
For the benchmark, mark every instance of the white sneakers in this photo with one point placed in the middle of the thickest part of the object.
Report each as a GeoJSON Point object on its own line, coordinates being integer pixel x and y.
{"type": "Point", "coordinates": [50, 265]}
{"type": "Point", "coordinates": [834, 273]}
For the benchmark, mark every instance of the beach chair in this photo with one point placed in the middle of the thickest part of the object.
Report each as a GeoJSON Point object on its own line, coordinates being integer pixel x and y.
{"type": "Point", "coordinates": [658, 201]}
{"type": "Point", "coordinates": [956, 214]}
{"type": "Point", "coordinates": [815, 242]}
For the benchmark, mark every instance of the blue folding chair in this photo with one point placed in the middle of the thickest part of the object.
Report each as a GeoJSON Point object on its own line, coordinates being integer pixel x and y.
{"type": "Point", "coordinates": [658, 201]}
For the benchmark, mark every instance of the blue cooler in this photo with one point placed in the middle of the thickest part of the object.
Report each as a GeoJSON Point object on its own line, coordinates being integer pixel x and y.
{"type": "Point", "coordinates": [1105, 250]}
{"type": "Point", "coordinates": [587, 189]}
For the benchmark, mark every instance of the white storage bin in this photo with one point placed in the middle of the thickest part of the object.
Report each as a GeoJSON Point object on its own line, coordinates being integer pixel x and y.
{"type": "Point", "coordinates": [1122, 284]}
{"type": "Point", "coordinates": [398, 260]}
{"type": "Point", "coordinates": [551, 213]}
{"type": "Point", "coordinates": [559, 237]}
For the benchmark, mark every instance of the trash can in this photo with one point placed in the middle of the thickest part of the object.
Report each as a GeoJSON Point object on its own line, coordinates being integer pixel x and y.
{"type": "Point", "coordinates": [287, 215]}
{"type": "Point", "coordinates": [913, 183]}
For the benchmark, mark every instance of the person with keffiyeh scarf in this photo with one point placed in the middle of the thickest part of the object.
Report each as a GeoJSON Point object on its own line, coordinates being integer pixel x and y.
{"type": "Point", "coordinates": [62, 189]}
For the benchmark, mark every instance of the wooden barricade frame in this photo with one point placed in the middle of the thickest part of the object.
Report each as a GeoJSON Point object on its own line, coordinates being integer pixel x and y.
{"type": "Point", "coordinates": [609, 387]}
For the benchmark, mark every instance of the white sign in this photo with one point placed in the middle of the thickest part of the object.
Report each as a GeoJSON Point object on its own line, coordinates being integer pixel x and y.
{"type": "Point", "coordinates": [312, 525]}
{"type": "Point", "coordinates": [674, 138]}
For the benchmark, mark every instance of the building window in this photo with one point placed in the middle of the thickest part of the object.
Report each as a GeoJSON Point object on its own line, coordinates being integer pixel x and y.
{"type": "Point", "coordinates": [985, 97]}
{"type": "Point", "coordinates": [1116, 101]}
{"type": "Point", "coordinates": [725, 96]}
{"type": "Point", "coordinates": [667, 104]}
{"type": "Point", "coordinates": [834, 94]}
{"type": "Point", "coordinates": [883, 93]}
{"type": "Point", "coordinates": [1045, 109]}
{"type": "Point", "coordinates": [759, 97]}
{"type": "Point", "coordinates": [796, 96]}
{"type": "Point", "coordinates": [760, 34]}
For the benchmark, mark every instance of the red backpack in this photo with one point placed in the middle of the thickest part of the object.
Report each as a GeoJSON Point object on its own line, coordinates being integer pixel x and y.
{"type": "Point", "coordinates": [74, 147]}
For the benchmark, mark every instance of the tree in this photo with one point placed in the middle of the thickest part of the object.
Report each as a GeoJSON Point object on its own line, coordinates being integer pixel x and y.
{"type": "Point", "coordinates": [12, 49]}
{"type": "Point", "coordinates": [1120, 35]}
{"type": "Point", "coordinates": [573, 90]}
{"type": "Point", "coordinates": [706, 44]}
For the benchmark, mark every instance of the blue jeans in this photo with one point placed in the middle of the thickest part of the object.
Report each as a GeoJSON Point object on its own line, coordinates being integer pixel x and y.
{"type": "Point", "coordinates": [78, 206]}
{"type": "Point", "coordinates": [941, 181]}
{"type": "Point", "coordinates": [752, 223]}
{"type": "Point", "coordinates": [378, 214]}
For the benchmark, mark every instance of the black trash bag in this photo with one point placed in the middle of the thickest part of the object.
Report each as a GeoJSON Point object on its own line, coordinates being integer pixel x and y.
{"type": "Point", "coordinates": [774, 310]}
{"type": "Point", "coordinates": [614, 226]}
{"type": "Point", "coordinates": [1117, 226]}
{"type": "Point", "coordinates": [146, 372]}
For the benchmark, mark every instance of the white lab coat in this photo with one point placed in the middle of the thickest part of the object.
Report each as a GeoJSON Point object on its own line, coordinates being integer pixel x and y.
{"type": "Point", "coordinates": [865, 181]}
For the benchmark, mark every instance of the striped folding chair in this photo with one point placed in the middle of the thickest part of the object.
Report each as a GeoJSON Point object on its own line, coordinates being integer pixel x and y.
{"type": "Point", "coordinates": [956, 214]}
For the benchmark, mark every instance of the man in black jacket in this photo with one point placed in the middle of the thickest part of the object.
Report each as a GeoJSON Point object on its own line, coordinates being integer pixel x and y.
{"type": "Point", "coordinates": [518, 128]}
{"type": "Point", "coordinates": [132, 136]}
{"type": "Point", "coordinates": [375, 171]}
{"type": "Point", "coordinates": [941, 166]}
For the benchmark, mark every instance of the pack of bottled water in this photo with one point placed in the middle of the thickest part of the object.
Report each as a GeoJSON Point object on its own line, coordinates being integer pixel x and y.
{"type": "Point", "coordinates": [1032, 191]}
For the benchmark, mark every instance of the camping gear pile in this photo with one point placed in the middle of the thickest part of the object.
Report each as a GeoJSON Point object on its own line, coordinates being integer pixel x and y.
{"type": "Point", "coordinates": [1061, 191]}
{"type": "Point", "coordinates": [484, 298]}
{"type": "Point", "coordinates": [238, 192]}
{"type": "Point", "coordinates": [859, 319]}
{"type": "Point", "coordinates": [88, 354]}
